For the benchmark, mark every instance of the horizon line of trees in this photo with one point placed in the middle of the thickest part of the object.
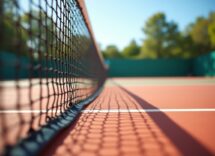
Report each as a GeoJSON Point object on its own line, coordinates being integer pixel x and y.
{"type": "Point", "coordinates": [164, 40]}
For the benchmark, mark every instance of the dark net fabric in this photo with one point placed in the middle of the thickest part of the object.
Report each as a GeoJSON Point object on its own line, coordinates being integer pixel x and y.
{"type": "Point", "coordinates": [48, 63]}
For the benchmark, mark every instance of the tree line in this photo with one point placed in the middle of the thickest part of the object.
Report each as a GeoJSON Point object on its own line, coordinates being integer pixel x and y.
{"type": "Point", "coordinates": [165, 40]}
{"type": "Point", "coordinates": [37, 34]}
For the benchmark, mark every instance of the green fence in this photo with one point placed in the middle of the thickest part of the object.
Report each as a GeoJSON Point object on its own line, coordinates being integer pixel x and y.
{"type": "Point", "coordinates": [10, 68]}
{"type": "Point", "coordinates": [200, 66]}
{"type": "Point", "coordinates": [158, 67]}
{"type": "Point", "coordinates": [204, 65]}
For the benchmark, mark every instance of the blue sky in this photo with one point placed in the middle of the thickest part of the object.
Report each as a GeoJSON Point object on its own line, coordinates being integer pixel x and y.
{"type": "Point", "coordinates": [119, 21]}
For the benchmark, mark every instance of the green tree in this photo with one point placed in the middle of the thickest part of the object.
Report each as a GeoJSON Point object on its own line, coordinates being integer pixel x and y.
{"type": "Point", "coordinates": [211, 29]}
{"type": "Point", "coordinates": [132, 50]}
{"type": "Point", "coordinates": [104, 54]}
{"type": "Point", "coordinates": [200, 36]}
{"type": "Point", "coordinates": [111, 51]}
{"type": "Point", "coordinates": [13, 37]}
{"type": "Point", "coordinates": [161, 38]}
{"type": "Point", "coordinates": [43, 32]}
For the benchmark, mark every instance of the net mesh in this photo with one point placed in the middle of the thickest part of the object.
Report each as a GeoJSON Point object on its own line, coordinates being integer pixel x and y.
{"type": "Point", "coordinates": [48, 63]}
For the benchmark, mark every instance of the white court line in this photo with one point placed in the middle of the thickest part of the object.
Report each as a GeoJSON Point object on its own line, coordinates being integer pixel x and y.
{"type": "Point", "coordinates": [116, 110]}
{"type": "Point", "coordinates": [149, 110]}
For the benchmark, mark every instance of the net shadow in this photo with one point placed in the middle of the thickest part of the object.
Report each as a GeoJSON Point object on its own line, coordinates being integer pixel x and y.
{"type": "Point", "coordinates": [120, 133]}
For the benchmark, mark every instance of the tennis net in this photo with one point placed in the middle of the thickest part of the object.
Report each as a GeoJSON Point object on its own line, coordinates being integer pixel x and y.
{"type": "Point", "coordinates": [49, 63]}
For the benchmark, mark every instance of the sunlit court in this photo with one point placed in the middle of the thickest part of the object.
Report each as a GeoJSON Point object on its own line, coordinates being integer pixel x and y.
{"type": "Point", "coordinates": [107, 78]}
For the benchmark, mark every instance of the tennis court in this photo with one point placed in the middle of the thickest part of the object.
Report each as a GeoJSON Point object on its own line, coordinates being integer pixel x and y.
{"type": "Point", "coordinates": [56, 97]}
{"type": "Point", "coordinates": [162, 116]}
{"type": "Point", "coordinates": [137, 116]}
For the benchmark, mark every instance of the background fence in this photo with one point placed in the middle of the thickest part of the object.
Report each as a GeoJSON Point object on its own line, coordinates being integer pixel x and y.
{"type": "Point", "coordinates": [200, 66]}
{"type": "Point", "coordinates": [204, 65]}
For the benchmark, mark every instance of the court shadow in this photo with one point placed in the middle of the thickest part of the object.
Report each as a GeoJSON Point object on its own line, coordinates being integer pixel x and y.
{"type": "Point", "coordinates": [185, 143]}
{"type": "Point", "coordinates": [108, 133]}
{"type": "Point", "coordinates": [123, 133]}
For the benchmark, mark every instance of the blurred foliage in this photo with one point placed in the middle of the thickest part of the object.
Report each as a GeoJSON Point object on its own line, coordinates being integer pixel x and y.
{"type": "Point", "coordinates": [13, 37]}
{"type": "Point", "coordinates": [22, 32]}
{"type": "Point", "coordinates": [111, 51]}
{"type": "Point", "coordinates": [131, 51]}
{"type": "Point", "coordinates": [211, 29]}
{"type": "Point", "coordinates": [35, 33]}
{"type": "Point", "coordinates": [164, 40]}
{"type": "Point", "coordinates": [39, 26]}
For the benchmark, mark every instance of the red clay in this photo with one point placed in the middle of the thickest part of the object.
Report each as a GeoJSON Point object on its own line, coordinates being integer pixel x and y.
{"type": "Point", "coordinates": [199, 96]}
{"type": "Point", "coordinates": [172, 133]}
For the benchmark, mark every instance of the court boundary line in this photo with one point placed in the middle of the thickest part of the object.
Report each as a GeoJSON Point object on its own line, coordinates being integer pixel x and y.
{"type": "Point", "coordinates": [150, 110]}
{"type": "Point", "coordinates": [115, 110]}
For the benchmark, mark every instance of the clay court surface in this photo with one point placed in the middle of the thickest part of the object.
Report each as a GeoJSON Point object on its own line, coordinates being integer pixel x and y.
{"type": "Point", "coordinates": [144, 116]}
{"type": "Point", "coordinates": [137, 116]}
